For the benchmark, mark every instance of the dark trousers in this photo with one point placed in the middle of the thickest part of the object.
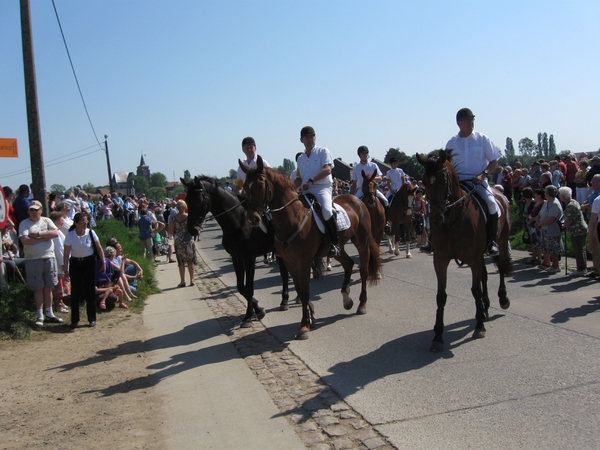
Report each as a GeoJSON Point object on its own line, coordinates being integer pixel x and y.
{"type": "Point", "coordinates": [578, 245]}
{"type": "Point", "coordinates": [82, 275]}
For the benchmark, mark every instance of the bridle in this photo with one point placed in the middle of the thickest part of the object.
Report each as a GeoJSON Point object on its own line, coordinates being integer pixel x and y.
{"type": "Point", "coordinates": [264, 210]}
{"type": "Point", "coordinates": [207, 205]}
{"type": "Point", "coordinates": [447, 204]}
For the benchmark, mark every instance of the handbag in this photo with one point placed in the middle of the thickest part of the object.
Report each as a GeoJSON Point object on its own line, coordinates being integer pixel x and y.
{"type": "Point", "coordinates": [96, 254]}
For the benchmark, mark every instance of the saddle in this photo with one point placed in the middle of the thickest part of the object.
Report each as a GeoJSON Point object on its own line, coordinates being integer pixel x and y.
{"type": "Point", "coordinates": [479, 200]}
{"type": "Point", "coordinates": [341, 216]}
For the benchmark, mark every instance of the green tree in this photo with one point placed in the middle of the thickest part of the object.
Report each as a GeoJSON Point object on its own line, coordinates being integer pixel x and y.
{"type": "Point", "coordinates": [527, 147]}
{"type": "Point", "coordinates": [186, 175]}
{"type": "Point", "coordinates": [140, 184]}
{"type": "Point", "coordinates": [88, 188]}
{"type": "Point", "coordinates": [510, 150]}
{"type": "Point", "coordinates": [233, 174]}
{"type": "Point", "coordinates": [407, 163]}
{"type": "Point", "coordinates": [157, 193]}
{"type": "Point", "coordinates": [551, 146]}
{"type": "Point", "coordinates": [177, 190]}
{"type": "Point", "coordinates": [287, 168]}
{"type": "Point", "coordinates": [158, 179]}
{"type": "Point", "coordinates": [57, 189]}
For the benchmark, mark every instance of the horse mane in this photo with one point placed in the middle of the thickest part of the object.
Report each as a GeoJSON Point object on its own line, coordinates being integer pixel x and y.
{"type": "Point", "coordinates": [280, 178]}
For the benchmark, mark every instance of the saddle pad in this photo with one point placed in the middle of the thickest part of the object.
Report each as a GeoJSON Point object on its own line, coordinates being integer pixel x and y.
{"type": "Point", "coordinates": [342, 219]}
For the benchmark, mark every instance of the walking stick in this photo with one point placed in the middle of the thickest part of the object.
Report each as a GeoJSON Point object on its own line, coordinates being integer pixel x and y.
{"type": "Point", "coordinates": [566, 252]}
{"type": "Point", "coordinates": [20, 274]}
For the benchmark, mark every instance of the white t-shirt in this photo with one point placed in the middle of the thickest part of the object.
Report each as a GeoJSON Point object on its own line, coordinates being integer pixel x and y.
{"type": "Point", "coordinates": [396, 177]}
{"type": "Point", "coordinates": [59, 251]}
{"type": "Point", "coordinates": [311, 165]}
{"type": "Point", "coordinates": [44, 249]}
{"type": "Point", "coordinates": [241, 176]}
{"type": "Point", "coordinates": [471, 155]}
{"type": "Point", "coordinates": [81, 246]}
{"type": "Point", "coordinates": [369, 168]}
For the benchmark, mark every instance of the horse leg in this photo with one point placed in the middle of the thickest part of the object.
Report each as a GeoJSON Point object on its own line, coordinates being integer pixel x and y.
{"type": "Point", "coordinates": [285, 295]}
{"type": "Point", "coordinates": [485, 297]}
{"type": "Point", "coordinates": [250, 271]}
{"type": "Point", "coordinates": [364, 276]}
{"type": "Point", "coordinates": [408, 229]}
{"type": "Point", "coordinates": [476, 290]}
{"type": "Point", "coordinates": [441, 268]}
{"type": "Point", "coordinates": [302, 283]}
{"type": "Point", "coordinates": [347, 264]}
{"type": "Point", "coordinates": [238, 267]}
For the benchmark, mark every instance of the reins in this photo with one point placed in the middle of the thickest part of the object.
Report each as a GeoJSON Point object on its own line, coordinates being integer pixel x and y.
{"type": "Point", "coordinates": [267, 212]}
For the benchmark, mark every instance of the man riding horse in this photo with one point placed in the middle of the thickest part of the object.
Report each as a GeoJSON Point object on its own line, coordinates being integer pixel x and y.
{"type": "Point", "coordinates": [473, 157]}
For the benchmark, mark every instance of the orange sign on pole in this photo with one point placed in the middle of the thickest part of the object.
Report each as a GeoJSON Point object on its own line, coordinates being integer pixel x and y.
{"type": "Point", "coordinates": [8, 148]}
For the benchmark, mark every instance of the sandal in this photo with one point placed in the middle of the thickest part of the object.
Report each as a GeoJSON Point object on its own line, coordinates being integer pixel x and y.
{"type": "Point", "coordinates": [182, 284]}
{"type": "Point", "coordinates": [172, 260]}
{"type": "Point", "coordinates": [123, 305]}
{"type": "Point", "coordinates": [102, 305]}
{"type": "Point", "coordinates": [192, 284]}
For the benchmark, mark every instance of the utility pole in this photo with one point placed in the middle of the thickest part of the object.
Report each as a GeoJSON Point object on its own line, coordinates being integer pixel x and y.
{"type": "Point", "coordinates": [36, 156]}
{"type": "Point", "coordinates": [110, 182]}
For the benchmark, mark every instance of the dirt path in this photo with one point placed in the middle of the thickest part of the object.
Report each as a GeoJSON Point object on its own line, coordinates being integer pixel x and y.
{"type": "Point", "coordinates": [84, 389]}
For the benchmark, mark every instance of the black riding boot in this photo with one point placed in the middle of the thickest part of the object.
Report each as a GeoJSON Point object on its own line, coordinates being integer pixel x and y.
{"type": "Point", "coordinates": [331, 227]}
{"type": "Point", "coordinates": [493, 235]}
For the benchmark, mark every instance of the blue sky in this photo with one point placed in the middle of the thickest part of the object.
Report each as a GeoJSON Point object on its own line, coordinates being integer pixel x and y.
{"type": "Point", "coordinates": [184, 81]}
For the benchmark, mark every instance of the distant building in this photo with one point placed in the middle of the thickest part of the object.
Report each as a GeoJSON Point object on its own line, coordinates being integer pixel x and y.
{"type": "Point", "coordinates": [341, 170]}
{"type": "Point", "coordinates": [382, 166]}
{"type": "Point", "coordinates": [143, 170]}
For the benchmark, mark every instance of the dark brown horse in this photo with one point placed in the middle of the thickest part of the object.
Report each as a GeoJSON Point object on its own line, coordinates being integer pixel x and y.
{"type": "Point", "coordinates": [299, 241]}
{"type": "Point", "coordinates": [242, 241]}
{"type": "Point", "coordinates": [376, 211]}
{"type": "Point", "coordinates": [400, 212]}
{"type": "Point", "coordinates": [458, 232]}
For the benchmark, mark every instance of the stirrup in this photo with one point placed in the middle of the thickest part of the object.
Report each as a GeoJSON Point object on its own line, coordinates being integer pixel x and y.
{"type": "Point", "coordinates": [492, 249]}
{"type": "Point", "coordinates": [334, 251]}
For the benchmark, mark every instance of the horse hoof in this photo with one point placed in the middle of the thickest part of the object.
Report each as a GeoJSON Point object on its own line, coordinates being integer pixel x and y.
{"type": "Point", "coordinates": [408, 256]}
{"type": "Point", "coordinates": [302, 336]}
{"type": "Point", "coordinates": [284, 307]}
{"type": "Point", "coordinates": [397, 252]}
{"type": "Point", "coordinates": [478, 333]}
{"type": "Point", "coordinates": [506, 304]}
{"type": "Point", "coordinates": [260, 314]}
{"type": "Point", "coordinates": [348, 305]}
{"type": "Point", "coordinates": [436, 347]}
{"type": "Point", "coordinates": [361, 310]}
{"type": "Point", "coordinates": [246, 324]}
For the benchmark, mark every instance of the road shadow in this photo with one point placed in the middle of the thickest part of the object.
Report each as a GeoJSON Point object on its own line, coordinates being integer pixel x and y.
{"type": "Point", "coordinates": [581, 311]}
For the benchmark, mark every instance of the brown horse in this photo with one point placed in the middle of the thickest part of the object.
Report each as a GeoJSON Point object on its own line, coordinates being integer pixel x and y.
{"type": "Point", "coordinates": [458, 232]}
{"type": "Point", "coordinates": [376, 211]}
{"type": "Point", "coordinates": [400, 212]}
{"type": "Point", "coordinates": [299, 241]}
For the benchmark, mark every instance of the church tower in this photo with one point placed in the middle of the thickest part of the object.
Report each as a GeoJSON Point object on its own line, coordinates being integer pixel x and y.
{"type": "Point", "coordinates": [143, 170]}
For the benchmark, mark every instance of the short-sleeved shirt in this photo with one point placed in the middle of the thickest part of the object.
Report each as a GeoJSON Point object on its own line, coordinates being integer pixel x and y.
{"type": "Point", "coordinates": [596, 206]}
{"type": "Point", "coordinates": [81, 246]}
{"type": "Point", "coordinates": [44, 249]}
{"type": "Point", "coordinates": [311, 165]}
{"type": "Point", "coordinates": [396, 177]}
{"type": "Point", "coordinates": [551, 208]}
{"type": "Point", "coordinates": [241, 176]}
{"type": "Point", "coordinates": [573, 214]}
{"type": "Point", "coordinates": [472, 154]}
{"type": "Point", "coordinates": [369, 168]}
{"type": "Point", "coordinates": [145, 227]}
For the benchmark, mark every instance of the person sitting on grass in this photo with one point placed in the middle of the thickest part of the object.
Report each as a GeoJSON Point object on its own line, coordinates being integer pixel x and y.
{"type": "Point", "coordinates": [132, 273]}
{"type": "Point", "coordinates": [107, 281]}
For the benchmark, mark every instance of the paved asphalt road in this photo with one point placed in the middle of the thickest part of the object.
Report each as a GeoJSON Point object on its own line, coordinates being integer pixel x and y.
{"type": "Point", "coordinates": [533, 382]}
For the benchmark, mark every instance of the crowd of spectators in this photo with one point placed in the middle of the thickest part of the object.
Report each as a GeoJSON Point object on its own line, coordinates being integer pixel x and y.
{"type": "Point", "coordinates": [556, 197]}
{"type": "Point", "coordinates": [61, 259]}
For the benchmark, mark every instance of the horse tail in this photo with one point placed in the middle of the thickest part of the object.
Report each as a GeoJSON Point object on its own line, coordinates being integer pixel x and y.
{"type": "Point", "coordinates": [504, 261]}
{"type": "Point", "coordinates": [375, 262]}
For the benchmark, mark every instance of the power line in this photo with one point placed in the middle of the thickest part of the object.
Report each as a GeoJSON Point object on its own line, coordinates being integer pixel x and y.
{"type": "Point", "coordinates": [74, 74]}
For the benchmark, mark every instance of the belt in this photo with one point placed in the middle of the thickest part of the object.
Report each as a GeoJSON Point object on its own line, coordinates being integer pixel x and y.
{"type": "Point", "coordinates": [87, 258]}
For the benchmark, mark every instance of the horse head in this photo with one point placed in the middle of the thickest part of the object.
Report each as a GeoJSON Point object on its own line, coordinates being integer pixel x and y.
{"type": "Point", "coordinates": [257, 191]}
{"type": "Point", "coordinates": [436, 179]}
{"type": "Point", "coordinates": [369, 188]}
{"type": "Point", "coordinates": [198, 202]}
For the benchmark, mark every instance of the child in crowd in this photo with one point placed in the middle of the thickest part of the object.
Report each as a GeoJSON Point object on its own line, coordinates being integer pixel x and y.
{"type": "Point", "coordinates": [107, 281]}
{"type": "Point", "coordinates": [419, 218]}
{"type": "Point", "coordinates": [63, 287]}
